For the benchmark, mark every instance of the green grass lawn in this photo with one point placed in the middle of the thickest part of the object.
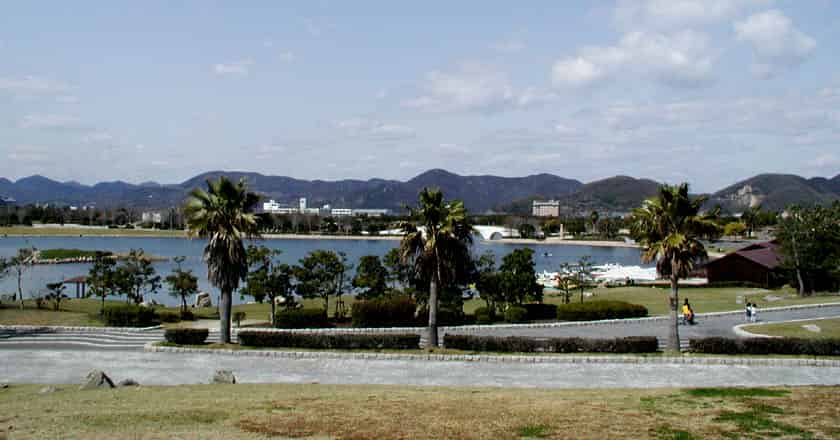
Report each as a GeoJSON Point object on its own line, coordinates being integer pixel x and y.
{"type": "Point", "coordinates": [75, 232]}
{"type": "Point", "coordinates": [829, 328]}
{"type": "Point", "coordinates": [253, 411]}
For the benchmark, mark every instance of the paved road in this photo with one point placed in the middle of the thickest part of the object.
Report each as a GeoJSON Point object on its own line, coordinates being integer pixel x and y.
{"type": "Point", "coordinates": [705, 327]}
{"type": "Point", "coordinates": [63, 367]}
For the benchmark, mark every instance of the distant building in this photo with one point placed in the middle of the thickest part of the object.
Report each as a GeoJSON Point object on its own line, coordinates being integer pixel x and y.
{"type": "Point", "coordinates": [756, 263]}
{"type": "Point", "coordinates": [546, 208]}
{"type": "Point", "coordinates": [151, 217]}
{"type": "Point", "coordinates": [302, 204]}
{"type": "Point", "coordinates": [371, 212]}
{"type": "Point", "coordinates": [341, 212]}
{"type": "Point", "coordinates": [7, 201]}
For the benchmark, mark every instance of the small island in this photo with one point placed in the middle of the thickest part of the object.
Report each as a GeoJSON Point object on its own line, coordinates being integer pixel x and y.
{"type": "Point", "coordinates": [76, 256]}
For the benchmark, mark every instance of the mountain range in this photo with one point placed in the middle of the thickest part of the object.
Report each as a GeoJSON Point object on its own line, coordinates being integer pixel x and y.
{"type": "Point", "coordinates": [480, 193]}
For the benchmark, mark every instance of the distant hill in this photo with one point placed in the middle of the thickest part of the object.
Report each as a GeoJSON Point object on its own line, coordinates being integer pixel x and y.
{"type": "Point", "coordinates": [612, 195]}
{"type": "Point", "coordinates": [480, 193]}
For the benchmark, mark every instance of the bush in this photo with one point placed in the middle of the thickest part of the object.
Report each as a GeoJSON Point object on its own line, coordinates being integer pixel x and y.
{"type": "Point", "coordinates": [792, 346]}
{"type": "Point", "coordinates": [541, 312]}
{"type": "Point", "coordinates": [483, 315]}
{"type": "Point", "coordinates": [376, 341]}
{"type": "Point", "coordinates": [301, 318]}
{"type": "Point", "coordinates": [445, 316]}
{"type": "Point", "coordinates": [165, 316]}
{"type": "Point", "coordinates": [186, 336]}
{"type": "Point", "coordinates": [130, 316]}
{"type": "Point", "coordinates": [187, 315]}
{"type": "Point", "coordinates": [516, 314]}
{"type": "Point", "coordinates": [598, 310]}
{"type": "Point", "coordinates": [516, 344]}
{"type": "Point", "coordinates": [238, 317]}
{"type": "Point", "coordinates": [384, 312]}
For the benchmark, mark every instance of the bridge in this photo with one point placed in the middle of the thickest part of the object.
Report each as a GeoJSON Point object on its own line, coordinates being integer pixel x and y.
{"type": "Point", "coordinates": [484, 231]}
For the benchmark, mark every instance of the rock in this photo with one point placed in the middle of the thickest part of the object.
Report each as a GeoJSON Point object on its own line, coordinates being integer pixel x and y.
{"type": "Point", "coordinates": [224, 377]}
{"type": "Point", "coordinates": [48, 390]}
{"type": "Point", "coordinates": [202, 299]}
{"type": "Point", "coordinates": [128, 383]}
{"type": "Point", "coordinates": [3, 386]}
{"type": "Point", "coordinates": [812, 328]}
{"type": "Point", "coordinates": [96, 379]}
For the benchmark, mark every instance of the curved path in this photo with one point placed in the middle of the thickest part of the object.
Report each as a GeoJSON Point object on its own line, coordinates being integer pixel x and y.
{"type": "Point", "coordinates": [66, 367]}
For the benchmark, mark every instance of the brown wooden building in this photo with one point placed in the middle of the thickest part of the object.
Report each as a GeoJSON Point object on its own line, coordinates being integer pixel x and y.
{"type": "Point", "coordinates": [756, 263]}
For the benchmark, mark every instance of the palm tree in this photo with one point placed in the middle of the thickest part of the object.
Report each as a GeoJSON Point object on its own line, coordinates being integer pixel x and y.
{"type": "Point", "coordinates": [437, 246]}
{"type": "Point", "coordinates": [669, 228]}
{"type": "Point", "coordinates": [223, 215]}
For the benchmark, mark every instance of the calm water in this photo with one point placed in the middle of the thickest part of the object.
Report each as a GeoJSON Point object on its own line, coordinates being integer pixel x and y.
{"type": "Point", "coordinates": [37, 278]}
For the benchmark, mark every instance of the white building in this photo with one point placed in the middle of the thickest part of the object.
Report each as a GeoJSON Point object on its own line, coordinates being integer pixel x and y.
{"type": "Point", "coordinates": [302, 204]}
{"type": "Point", "coordinates": [276, 208]}
{"type": "Point", "coordinates": [371, 212]}
{"type": "Point", "coordinates": [546, 208]}
{"type": "Point", "coordinates": [151, 217]}
{"type": "Point", "coordinates": [341, 212]}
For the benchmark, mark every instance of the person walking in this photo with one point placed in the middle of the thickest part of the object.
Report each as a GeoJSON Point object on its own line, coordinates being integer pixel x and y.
{"type": "Point", "coordinates": [747, 309]}
{"type": "Point", "coordinates": [753, 313]}
{"type": "Point", "coordinates": [686, 312]}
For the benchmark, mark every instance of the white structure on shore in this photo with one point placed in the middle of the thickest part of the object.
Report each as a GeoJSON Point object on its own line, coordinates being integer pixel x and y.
{"type": "Point", "coordinates": [274, 207]}
{"type": "Point", "coordinates": [545, 208]}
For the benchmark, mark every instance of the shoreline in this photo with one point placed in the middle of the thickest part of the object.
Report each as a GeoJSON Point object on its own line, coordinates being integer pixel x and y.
{"type": "Point", "coordinates": [152, 233]}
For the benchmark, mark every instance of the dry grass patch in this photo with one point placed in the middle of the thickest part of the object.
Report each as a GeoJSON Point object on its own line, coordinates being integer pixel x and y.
{"type": "Point", "coordinates": [375, 412]}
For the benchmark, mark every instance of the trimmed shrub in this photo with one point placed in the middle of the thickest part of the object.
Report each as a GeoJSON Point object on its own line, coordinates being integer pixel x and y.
{"type": "Point", "coordinates": [301, 318]}
{"type": "Point", "coordinates": [130, 316]}
{"type": "Point", "coordinates": [374, 341]}
{"type": "Point", "coordinates": [483, 315]}
{"type": "Point", "coordinates": [516, 344]}
{"type": "Point", "coordinates": [516, 314]}
{"type": "Point", "coordinates": [445, 316]}
{"type": "Point", "coordinates": [187, 315]}
{"type": "Point", "coordinates": [598, 310]}
{"type": "Point", "coordinates": [165, 316]}
{"type": "Point", "coordinates": [186, 336]}
{"type": "Point", "coordinates": [384, 312]}
{"type": "Point", "coordinates": [238, 317]}
{"type": "Point", "coordinates": [792, 346]}
{"type": "Point", "coordinates": [541, 312]}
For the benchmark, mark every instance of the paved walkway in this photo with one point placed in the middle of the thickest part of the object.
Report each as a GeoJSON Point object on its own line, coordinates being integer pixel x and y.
{"type": "Point", "coordinates": [64, 367]}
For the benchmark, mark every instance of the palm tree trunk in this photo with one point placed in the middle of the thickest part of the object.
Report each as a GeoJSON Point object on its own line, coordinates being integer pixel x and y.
{"type": "Point", "coordinates": [224, 317]}
{"type": "Point", "coordinates": [102, 309]}
{"type": "Point", "coordinates": [272, 310]}
{"type": "Point", "coordinates": [433, 309]}
{"type": "Point", "coordinates": [184, 303]}
{"type": "Point", "coordinates": [674, 300]}
{"type": "Point", "coordinates": [20, 291]}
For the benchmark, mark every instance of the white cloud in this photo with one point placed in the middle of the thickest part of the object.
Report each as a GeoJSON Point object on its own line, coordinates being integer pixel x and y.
{"type": "Point", "coordinates": [32, 85]}
{"type": "Point", "coordinates": [29, 154]}
{"type": "Point", "coordinates": [777, 44]}
{"type": "Point", "coordinates": [677, 14]}
{"type": "Point", "coordinates": [681, 59]}
{"type": "Point", "coordinates": [239, 67]}
{"type": "Point", "coordinates": [510, 45]}
{"type": "Point", "coordinates": [50, 122]}
{"type": "Point", "coordinates": [826, 161]}
{"type": "Point", "coordinates": [472, 87]}
{"type": "Point", "coordinates": [375, 129]}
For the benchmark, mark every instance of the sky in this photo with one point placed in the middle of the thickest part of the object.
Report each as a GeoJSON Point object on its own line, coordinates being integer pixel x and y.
{"type": "Point", "coordinates": [704, 91]}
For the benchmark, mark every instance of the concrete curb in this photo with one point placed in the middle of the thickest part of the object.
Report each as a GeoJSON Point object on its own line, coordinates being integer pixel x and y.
{"type": "Point", "coordinates": [60, 328]}
{"type": "Point", "coordinates": [739, 331]}
{"type": "Point", "coordinates": [518, 359]}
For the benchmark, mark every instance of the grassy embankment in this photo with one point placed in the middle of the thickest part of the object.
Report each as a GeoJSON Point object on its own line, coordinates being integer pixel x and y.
{"type": "Point", "coordinates": [79, 311]}
{"type": "Point", "coordinates": [370, 412]}
{"type": "Point", "coordinates": [829, 328]}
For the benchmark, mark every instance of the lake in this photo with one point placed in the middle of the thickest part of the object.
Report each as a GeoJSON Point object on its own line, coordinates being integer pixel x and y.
{"type": "Point", "coordinates": [293, 249]}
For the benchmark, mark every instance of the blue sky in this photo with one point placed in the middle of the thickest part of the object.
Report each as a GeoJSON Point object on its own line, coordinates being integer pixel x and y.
{"type": "Point", "coordinates": [708, 92]}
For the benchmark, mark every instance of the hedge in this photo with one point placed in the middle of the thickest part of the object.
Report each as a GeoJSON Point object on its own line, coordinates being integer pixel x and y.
{"type": "Point", "coordinates": [483, 316]}
{"type": "Point", "coordinates": [187, 315]}
{"type": "Point", "coordinates": [301, 318]}
{"type": "Point", "coordinates": [516, 314]}
{"type": "Point", "coordinates": [445, 316]}
{"type": "Point", "coordinates": [254, 338]}
{"type": "Point", "coordinates": [165, 316]}
{"type": "Point", "coordinates": [541, 312]}
{"type": "Point", "coordinates": [793, 346]}
{"type": "Point", "coordinates": [598, 310]}
{"type": "Point", "coordinates": [130, 316]}
{"type": "Point", "coordinates": [385, 312]}
{"type": "Point", "coordinates": [186, 336]}
{"type": "Point", "coordinates": [517, 344]}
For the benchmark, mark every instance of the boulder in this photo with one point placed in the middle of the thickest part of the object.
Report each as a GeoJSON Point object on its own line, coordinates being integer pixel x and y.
{"type": "Point", "coordinates": [48, 390]}
{"type": "Point", "coordinates": [96, 379]}
{"type": "Point", "coordinates": [224, 377]}
{"type": "Point", "coordinates": [3, 386]}
{"type": "Point", "coordinates": [202, 299]}
{"type": "Point", "coordinates": [128, 383]}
